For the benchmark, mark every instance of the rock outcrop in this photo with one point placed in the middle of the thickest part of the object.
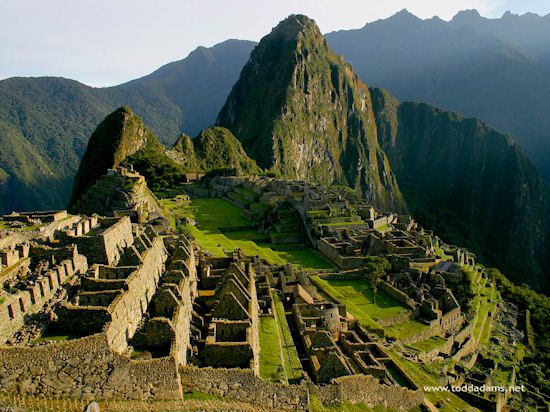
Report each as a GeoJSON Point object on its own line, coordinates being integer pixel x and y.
{"type": "Point", "coordinates": [302, 112]}
{"type": "Point", "coordinates": [120, 135]}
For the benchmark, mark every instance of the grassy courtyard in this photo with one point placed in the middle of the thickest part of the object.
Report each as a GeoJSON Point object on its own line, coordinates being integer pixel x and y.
{"type": "Point", "coordinates": [213, 214]}
{"type": "Point", "coordinates": [357, 296]}
{"type": "Point", "coordinates": [279, 359]}
{"type": "Point", "coordinates": [271, 363]}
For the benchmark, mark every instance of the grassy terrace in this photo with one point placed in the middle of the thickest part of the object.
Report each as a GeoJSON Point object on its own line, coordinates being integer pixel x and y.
{"type": "Point", "coordinates": [279, 359]}
{"type": "Point", "coordinates": [425, 375]}
{"type": "Point", "coordinates": [291, 361]}
{"type": "Point", "coordinates": [271, 362]}
{"type": "Point", "coordinates": [428, 344]}
{"type": "Point", "coordinates": [357, 296]}
{"type": "Point", "coordinates": [483, 304]}
{"type": "Point", "coordinates": [212, 214]}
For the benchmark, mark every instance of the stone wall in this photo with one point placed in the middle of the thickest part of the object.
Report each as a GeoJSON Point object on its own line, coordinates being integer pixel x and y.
{"type": "Point", "coordinates": [106, 247]}
{"type": "Point", "coordinates": [127, 311]}
{"type": "Point", "coordinates": [397, 294]}
{"type": "Point", "coordinates": [16, 307]}
{"type": "Point", "coordinates": [367, 389]}
{"type": "Point", "coordinates": [243, 385]}
{"type": "Point", "coordinates": [86, 368]}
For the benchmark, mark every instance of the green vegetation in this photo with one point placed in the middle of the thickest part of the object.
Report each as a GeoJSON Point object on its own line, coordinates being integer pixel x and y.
{"type": "Point", "coordinates": [159, 170]}
{"type": "Point", "coordinates": [214, 149]}
{"type": "Point", "coordinates": [405, 329]}
{"type": "Point", "coordinates": [494, 176]}
{"type": "Point", "coordinates": [271, 362]}
{"type": "Point", "coordinates": [40, 155]}
{"type": "Point", "coordinates": [265, 110]}
{"type": "Point", "coordinates": [357, 296]}
{"type": "Point", "coordinates": [211, 214]}
{"type": "Point", "coordinates": [57, 337]}
{"type": "Point", "coordinates": [423, 375]}
{"type": "Point", "coordinates": [317, 406]}
{"type": "Point", "coordinates": [429, 344]}
{"type": "Point", "coordinates": [358, 293]}
{"type": "Point", "coordinates": [291, 361]}
{"type": "Point", "coordinates": [535, 366]}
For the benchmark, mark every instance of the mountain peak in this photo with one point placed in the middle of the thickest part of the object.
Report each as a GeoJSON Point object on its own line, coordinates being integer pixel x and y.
{"type": "Point", "coordinates": [118, 136]}
{"type": "Point", "coordinates": [404, 15]}
{"type": "Point", "coordinates": [293, 25]}
{"type": "Point", "coordinates": [470, 16]}
{"type": "Point", "coordinates": [299, 110]}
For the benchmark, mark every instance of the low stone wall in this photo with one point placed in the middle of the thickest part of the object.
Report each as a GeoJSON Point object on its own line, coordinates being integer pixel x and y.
{"type": "Point", "coordinates": [367, 389]}
{"type": "Point", "coordinates": [395, 320]}
{"type": "Point", "coordinates": [397, 294]}
{"type": "Point", "coordinates": [16, 307]}
{"type": "Point", "coordinates": [243, 385]}
{"type": "Point", "coordinates": [343, 276]}
{"type": "Point", "coordinates": [86, 368]}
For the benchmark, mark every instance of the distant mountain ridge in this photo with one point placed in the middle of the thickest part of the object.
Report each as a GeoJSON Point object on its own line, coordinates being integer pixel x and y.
{"type": "Point", "coordinates": [497, 70]}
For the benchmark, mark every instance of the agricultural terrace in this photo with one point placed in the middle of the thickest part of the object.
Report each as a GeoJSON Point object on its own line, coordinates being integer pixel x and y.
{"type": "Point", "coordinates": [222, 228]}
{"type": "Point", "coordinates": [357, 296]}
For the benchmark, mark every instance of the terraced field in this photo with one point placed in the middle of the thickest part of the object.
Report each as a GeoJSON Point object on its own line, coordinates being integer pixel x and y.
{"type": "Point", "coordinates": [215, 214]}
{"type": "Point", "coordinates": [357, 296]}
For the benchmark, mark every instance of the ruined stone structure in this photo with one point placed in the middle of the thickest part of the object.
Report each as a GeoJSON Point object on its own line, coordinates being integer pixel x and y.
{"type": "Point", "coordinates": [120, 192]}
{"type": "Point", "coordinates": [143, 313]}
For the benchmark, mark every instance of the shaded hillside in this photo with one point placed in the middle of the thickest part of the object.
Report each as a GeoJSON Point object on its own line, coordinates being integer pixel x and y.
{"type": "Point", "coordinates": [117, 137]}
{"type": "Point", "coordinates": [123, 139]}
{"type": "Point", "coordinates": [54, 117]}
{"type": "Point", "coordinates": [497, 70]}
{"type": "Point", "coordinates": [213, 148]}
{"type": "Point", "coordinates": [301, 111]}
{"type": "Point", "coordinates": [470, 183]}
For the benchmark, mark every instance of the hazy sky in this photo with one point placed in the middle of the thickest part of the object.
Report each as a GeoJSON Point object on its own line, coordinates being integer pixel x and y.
{"type": "Point", "coordinates": [106, 42]}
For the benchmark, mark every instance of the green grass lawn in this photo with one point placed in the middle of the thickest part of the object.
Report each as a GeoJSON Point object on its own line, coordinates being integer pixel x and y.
{"type": "Point", "coordinates": [56, 336]}
{"type": "Point", "coordinates": [271, 362]}
{"type": "Point", "coordinates": [357, 296]}
{"type": "Point", "coordinates": [359, 293]}
{"type": "Point", "coordinates": [424, 376]}
{"type": "Point", "coordinates": [212, 214]}
{"type": "Point", "coordinates": [429, 344]}
{"type": "Point", "coordinates": [291, 361]}
{"type": "Point", "coordinates": [405, 329]}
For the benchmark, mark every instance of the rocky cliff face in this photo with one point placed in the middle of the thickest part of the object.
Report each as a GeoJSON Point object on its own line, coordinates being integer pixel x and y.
{"type": "Point", "coordinates": [302, 112]}
{"type": "Point", "coordinates": [120, 135]}
{"type": "Point", "coordinates": [470, 183]}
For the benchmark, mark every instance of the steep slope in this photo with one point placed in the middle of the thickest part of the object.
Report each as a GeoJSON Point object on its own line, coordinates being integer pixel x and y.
{"type": "Point", "coordinates": [120, 135]}
{"type": "Point", "coordinates": [122, 139]}
{"type": "Point", "coordinates": [493, 69]}
{"type": "Point", "coordinates": [302, 112]}
{"type": "Point", "coordinates": [197, 85]}
{"type": "Point", "coordinates": [213, 148]}
{"type": "Point", "coordinates": [36, 182]}
{"type": "Point", "coordinates": [56, 116]}
{"type": "Point", "coordinates": [470, 183]}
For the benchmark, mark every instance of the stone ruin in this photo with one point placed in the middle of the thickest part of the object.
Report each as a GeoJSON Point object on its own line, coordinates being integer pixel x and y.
{"type": "Point", "coordinates": [120, 192]}
{"type": "Point", "coordinates": [112, 305]}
